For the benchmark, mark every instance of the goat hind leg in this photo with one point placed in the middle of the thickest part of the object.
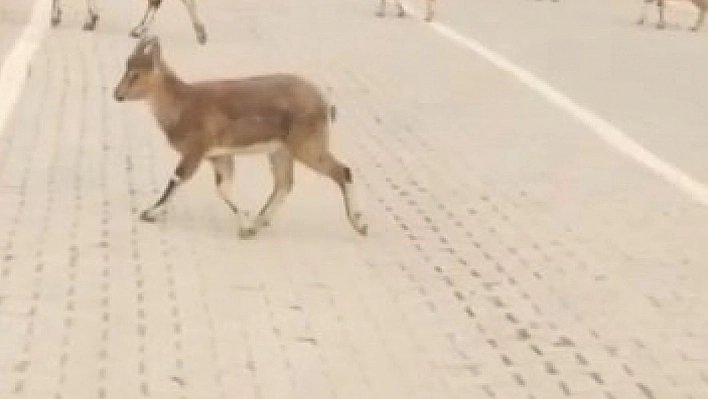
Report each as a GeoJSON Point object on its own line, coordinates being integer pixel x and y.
{"type": "Point", "coordinates": [56, 12]}
{"type": "Point", "coordinates": [699, 21]}
{"type": "Point", "coordinates": [322, 161]}
{"type": "Point", "coordinates": [91, 15]}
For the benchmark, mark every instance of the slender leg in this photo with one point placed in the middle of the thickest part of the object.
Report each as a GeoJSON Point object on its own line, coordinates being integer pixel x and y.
{"type": "Point", "coordinates": [91, 15]}
{"type": "Point", "coordinates": [142, 27]}
{"type": "Point", "coordinates": [224, 178]}
{"type": "Point", "coordinates": [56, 12]}
{"type": "Point", "coordinates": [699, 21]}
{"type": "Point", "coordinates": [429, 13]}
{"type": "Point", "coordinates": [318, 158]}
{"type": "Point", "coordinates": [184, 171]}
{"type": "Point", "coordinates": [381, 11]}
{"type": "Point", "coordinates": [196, 23]}
{"type": "Point", "coordinates": [662, 22]}
{"type": "Point", "coordinates": [645, 11]}
{"type": "Point", "coordinates": [401, 11]}
{"type": "Point", "coordinates": [281, 164]}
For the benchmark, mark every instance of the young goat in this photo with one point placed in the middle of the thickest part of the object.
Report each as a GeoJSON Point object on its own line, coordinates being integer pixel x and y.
{"type": "Point", "coordinates": [143, 26]}
{"type": "Point", "coordinates": [429, 12]}
{"type": "Point", "coordinates": [281, 115]}
{"type": "Point", "coordinates": [702, 6]}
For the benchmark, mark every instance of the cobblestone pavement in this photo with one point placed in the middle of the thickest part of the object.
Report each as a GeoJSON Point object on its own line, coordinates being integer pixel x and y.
{"type": "Point", "coordinates": [511, 253]}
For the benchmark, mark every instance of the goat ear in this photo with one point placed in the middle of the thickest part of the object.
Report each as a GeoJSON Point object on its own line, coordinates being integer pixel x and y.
{"type": "Point", "coordinates": [152, 48]}
{"type": "Point", "coordinates": [142, 47]}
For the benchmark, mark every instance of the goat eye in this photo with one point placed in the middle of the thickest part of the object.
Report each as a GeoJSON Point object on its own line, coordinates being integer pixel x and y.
{"type": "Point", "coordinates": [132, 76]}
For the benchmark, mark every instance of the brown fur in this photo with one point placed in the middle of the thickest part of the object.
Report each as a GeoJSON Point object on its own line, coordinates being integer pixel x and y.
{"type": "Point", "coordinates": [214, 120]}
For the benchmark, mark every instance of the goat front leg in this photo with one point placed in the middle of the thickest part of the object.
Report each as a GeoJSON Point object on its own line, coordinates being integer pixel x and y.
{"type": "Point", "coordinates": [196, 23]}
{"type": "Point", "coordinates": [56, 12]}
{"type": "Point", "coordinates": [185, 170]}
{"type": "Point", "coordinates": [142, 27]}
{"type": "Point", "coordinates": [91, 15]}
{"type": "Point", "coordinates": [224, 177]}
{"type": "Point", "coordinates": [429, 13]}
{"type": "Point", "coordinates": [281, 164]}
{"type": "Point", "coordinates": [381, 11]}
{"type": "Point", "coordinates": [699, 21]}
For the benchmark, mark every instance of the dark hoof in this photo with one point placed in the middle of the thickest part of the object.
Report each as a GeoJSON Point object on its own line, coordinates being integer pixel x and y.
{"type": "Point", "coordinates": [148, 216]}
{"type": "Point", "coordinates": [380, 13]}
{"type": "Point", "coordinates": [91, 23]}
{"type": "Point", "coordinates": [201, 34]}
{"type": "Point", "coordinates": [363, 230]}
{"type": "Point", "coordinates": [246, 233]}
{"type": "Point", "coordinates": [56, 21]}
{"type": "Point", "coordinates": [660, 26]}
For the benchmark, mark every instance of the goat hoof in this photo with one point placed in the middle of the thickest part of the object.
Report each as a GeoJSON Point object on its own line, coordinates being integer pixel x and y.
{"type": "Point", "coordinates": [261, 223]}
{"type": "Point", "coordinates": [429, 18]}
{"type": "Point", "coordinates": [246, 233]}
{"type": "Point", "coordinates": [149, 216]}
{"type": "Point", "coordinates": [56, 18]}
{"type": "Point", "coordinates": [380, 13]}
{"type": "Point", "coordinates": [660, 26]}
{"type": "Point", "coordinates": [201, 34]}
{"type": "Point", "coordinates": [91, 24]}
{"type": "Point", "coordinates": [401, 14]}
{"type": "Point", "coordinates": [363, 230]}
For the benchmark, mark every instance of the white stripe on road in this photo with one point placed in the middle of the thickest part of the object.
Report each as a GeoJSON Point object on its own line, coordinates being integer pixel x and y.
{"type": "Point", "coordinates": [602, 128]}
{"type": "Point", "coordinates": [13, 71]}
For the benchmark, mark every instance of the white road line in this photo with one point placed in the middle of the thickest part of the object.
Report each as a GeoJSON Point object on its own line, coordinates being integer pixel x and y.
{"type": "Point", "coordinates": [13, 71]}
{"type": "Point", "coordinates": [612, 135]}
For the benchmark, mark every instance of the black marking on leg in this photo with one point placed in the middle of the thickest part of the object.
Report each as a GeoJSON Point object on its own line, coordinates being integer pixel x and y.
{"type": "Point", "coordinates": [167, 193]}
{"type": "Point", "coordinates": [347, 175]}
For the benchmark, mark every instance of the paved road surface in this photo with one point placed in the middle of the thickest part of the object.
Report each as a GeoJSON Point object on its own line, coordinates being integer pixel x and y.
{"type": "Point", "coordinates": [513, 254]}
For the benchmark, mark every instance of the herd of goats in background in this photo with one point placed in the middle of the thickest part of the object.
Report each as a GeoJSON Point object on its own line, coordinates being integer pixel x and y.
{"type": "Point", "coordinates": [153, 5]}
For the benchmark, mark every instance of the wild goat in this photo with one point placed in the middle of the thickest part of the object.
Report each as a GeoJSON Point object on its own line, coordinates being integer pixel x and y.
{"type": "Point", "coordinates": [282, 115]}
{"type": "Point", "coordinates": [429, 12]}
{"type": "Point", "coordinates": [702, 6]}
{"type": "Point", "coordinates": [143, 26]}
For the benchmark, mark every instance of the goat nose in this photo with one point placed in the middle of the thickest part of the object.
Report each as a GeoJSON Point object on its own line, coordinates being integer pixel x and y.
{"type": "Point", "coordinates": [118, 97]}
